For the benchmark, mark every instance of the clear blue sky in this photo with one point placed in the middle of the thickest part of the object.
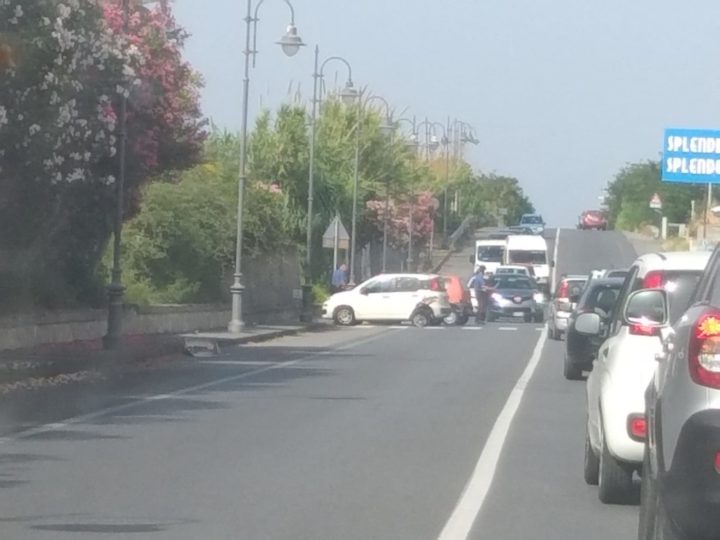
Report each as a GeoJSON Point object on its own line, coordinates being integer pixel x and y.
{"type": "Point", "coordinates": [562, 93]}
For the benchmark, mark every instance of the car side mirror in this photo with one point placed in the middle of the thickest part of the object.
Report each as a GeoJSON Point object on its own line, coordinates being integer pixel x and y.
{"type": "Point", "coordinates": [647, 307]}
{"type": "Point", "coordinates": [364, 291]}
{"type": "Point", "coordinates": [588, 324]}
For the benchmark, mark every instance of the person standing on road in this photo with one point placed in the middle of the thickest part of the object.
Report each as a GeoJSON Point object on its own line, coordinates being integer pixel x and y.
{"type": "Point", "coordinates": [478, 285]}
{"type": "Point", "coordinates": [339, 279]}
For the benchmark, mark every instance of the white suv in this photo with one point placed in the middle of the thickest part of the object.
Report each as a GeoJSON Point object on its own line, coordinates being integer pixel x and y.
{"type": "Point", "coordinates": [419, 298]}
{"type": "Point", "coordinates": [624, 366]}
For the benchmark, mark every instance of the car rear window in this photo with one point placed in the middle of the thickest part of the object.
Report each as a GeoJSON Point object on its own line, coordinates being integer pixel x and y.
{"type": "Point", "coordinates": [513, 282]}
{"type": "Point", "coordinates": [528, 257]}
{"type": "Point", "coordinates": [600, 296]}
{"type": "Point", "coordinates": [490, 253]}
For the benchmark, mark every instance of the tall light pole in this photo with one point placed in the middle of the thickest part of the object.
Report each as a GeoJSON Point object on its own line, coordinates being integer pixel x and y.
{"type": "Point", "coordinates": [386, 128]}
{"type": "Point", "coordinates": [432, 142]}
{"type": "Point", "coordinates": [412, 144]}
{"type": "Point", "coordinates": [116, 290]}
{"type": "Point", "coordinates": [290, 43]}
{"type": "Point", "coordinates": [348, 96]}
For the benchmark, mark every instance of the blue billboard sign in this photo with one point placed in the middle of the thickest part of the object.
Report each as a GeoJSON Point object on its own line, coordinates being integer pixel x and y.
{"type": "Point", "coordinates": [691, 156]}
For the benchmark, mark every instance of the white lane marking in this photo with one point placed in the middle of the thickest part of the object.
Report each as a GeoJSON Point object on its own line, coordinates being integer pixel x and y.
{"type": "Point", "coordinates": [137, 401]}
{"type": "Point", "coordinates": [472, 328]}
{"type": "Point", "coordinates": [508, 328]}
{"type": "Point", "coordinates": [434, 328]}
{"type": "Point", "coordinates": [468, 507]}
{"type": "Point", "coordinates": [555, 261]}
{"type": "Point", "coordinates": [234, 363]}
{"type": "Point", "coordinates": [540, 329]}
{"type": "Point", "coordinates": [399, 327]}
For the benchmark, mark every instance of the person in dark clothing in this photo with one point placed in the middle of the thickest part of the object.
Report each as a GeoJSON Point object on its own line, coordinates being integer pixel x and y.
{"type": "Point", "coordinates": [478, 285]}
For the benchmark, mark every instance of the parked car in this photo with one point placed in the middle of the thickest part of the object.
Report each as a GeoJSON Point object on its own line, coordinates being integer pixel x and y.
{"type": "Point", "coordinates": [680, 493]}
{"type": "Point", "coordinates": [599, 296]}
{"type": "Point", "coordinates": [623, 368]}
{"type": "Point", "coordinates": [514, 296]}
{"type": "Point", "coordinates": [567, 295]}
{"type": "Point", "coordinates": [419, 298]}
{"type": "Point", "coordinates": [593, 219]}
{"type": "Point", "coordinates": [533, 222]}
{"type": "Point", "coordinates": [460, 301]}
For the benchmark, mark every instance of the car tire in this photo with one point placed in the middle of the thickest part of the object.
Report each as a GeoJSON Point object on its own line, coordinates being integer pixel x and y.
{"type": "Point", "coordinates": [615, 479]}
{"type": "Point", "coordinates": [591, 466]}
{"type": "Point", "coordinates": [344, 316]}
{"type": "Point", "coordinates": [452, 318]}
{"type": "Point", "coordinates": [648, 502]}
{"type": "Point", "coordinates": [570, 370]}
{"type": "Point", "coordinates": [553, 333]}
{"type": "Point", "coordinates": [422, 318]}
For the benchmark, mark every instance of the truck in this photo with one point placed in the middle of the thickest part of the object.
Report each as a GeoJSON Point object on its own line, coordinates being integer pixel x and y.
{"type": "Point", "coordinates": [530, 250]}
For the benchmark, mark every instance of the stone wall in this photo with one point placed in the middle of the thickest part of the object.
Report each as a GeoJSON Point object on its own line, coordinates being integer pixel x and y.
{"type": "Point", "coordinates": [270, 296]}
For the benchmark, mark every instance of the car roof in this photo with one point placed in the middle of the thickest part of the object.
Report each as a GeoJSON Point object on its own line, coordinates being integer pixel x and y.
{"type": "Point", "coordinates": [672, 260]}
{"type": "Point", "coordinates": [489, 242]}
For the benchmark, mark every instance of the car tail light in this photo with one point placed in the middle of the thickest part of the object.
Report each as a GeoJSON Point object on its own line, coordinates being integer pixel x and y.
{"type": "Point", "coordinates": [717, 462]}
{"type": "Point", "coordinates": [644, 330]}
{"type": "Point", "coordinates": [637, 427]}
{"type": "Point", "coordinates": [704, 353]}
{"type": "Point", "coordinates": [435, 285]}
{"type": "Point", "coordinates": [654, 280]}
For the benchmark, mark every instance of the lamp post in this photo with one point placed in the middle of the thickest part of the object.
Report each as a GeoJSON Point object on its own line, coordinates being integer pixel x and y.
{"type": "Point", "coordinates": [116, 290]}
{"type": "Point", "coordinates": [348, 96]}
{"type": "Point", "coordinates": [412, 144]}
{"type": "Point", "coordinates": [386, 128]}
{"type": "Point", "coordinates": [431, 144]}
{"type": "Point", "coordinates": [290, 44]}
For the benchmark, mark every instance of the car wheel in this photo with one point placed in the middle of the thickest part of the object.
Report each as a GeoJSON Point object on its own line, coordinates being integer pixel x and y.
{"type": "Point", "coordinates": [648, 502]}
{"type": "Point", "coordinates": [615, 485]}
{"type": "Point", "coordinates": [553, 333]}
{"type": "Point", "coordinates": [344, 316]}
{"type": "Point", "coordinates": [570, 370]}
{"type": "Point", "coordinates": [451, 319]}
{"type": "Point", "coordinates": [421, 318]}
{"type": "Point", "coordinates": [591, 469]}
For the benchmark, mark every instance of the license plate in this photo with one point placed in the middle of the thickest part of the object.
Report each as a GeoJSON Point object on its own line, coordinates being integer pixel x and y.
{"type": "Point", "coordinates": [519, 314]}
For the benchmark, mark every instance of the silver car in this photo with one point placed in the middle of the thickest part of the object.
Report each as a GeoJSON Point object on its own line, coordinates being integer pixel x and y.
{"type": "Point", "coordinates": [567, 294]}
{"type": "Point", "coordinates": [681, 469]}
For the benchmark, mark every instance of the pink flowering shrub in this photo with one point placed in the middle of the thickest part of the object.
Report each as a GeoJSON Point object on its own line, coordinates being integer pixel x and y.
{"type": "Point", "coordinates": [64, 66]}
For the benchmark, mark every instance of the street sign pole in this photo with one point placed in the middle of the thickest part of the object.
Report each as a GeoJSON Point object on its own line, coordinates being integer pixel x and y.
{"type": "Point", "coordinates": [336, 247]}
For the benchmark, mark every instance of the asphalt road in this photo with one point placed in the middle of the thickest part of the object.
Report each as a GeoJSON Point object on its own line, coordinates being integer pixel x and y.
{"type": "Point", "coordinates": [361, 433]}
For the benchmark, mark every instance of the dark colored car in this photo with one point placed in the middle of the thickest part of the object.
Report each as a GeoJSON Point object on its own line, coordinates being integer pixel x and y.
{"type": "Point", "coordinates": [593, 219]}
{"type": "Point", "coordinates": [600, 296]}
{"type": "Point", "coordinates": [513, 295]}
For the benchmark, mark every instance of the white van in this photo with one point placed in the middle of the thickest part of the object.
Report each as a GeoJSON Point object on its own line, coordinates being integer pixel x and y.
{"type": "Point", "coordinates": [532, 250]}
{"type": "Point", "coordinates": [489, 253]}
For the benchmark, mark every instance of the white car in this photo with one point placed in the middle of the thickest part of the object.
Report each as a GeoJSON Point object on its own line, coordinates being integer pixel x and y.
{"type": "Point", "coordinates": [419, 298]}
{"type": "Point", "coordinates": [624, 366]}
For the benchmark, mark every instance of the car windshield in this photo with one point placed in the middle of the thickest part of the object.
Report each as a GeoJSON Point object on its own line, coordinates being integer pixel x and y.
{"type": "Point", "coordinates": [493, 254]}
{"type": "Point", "coordinates": [531, 220]}
{"type": "Point", "coordinates": [514, 282]}
{"type": "Point", "coordinates": [528, 257]}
